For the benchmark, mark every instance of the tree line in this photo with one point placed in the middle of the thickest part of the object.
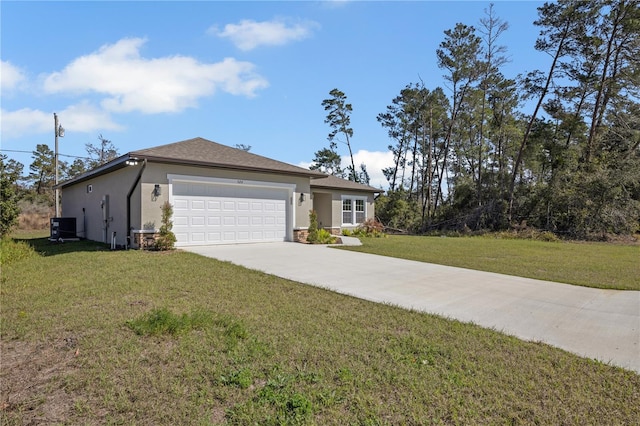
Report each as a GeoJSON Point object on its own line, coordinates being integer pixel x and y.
{"type": "Point", "coordinates": [469, 157]}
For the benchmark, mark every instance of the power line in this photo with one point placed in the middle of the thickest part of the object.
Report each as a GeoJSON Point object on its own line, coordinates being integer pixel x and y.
{"type": "Point", "coordinates": [31, 152]}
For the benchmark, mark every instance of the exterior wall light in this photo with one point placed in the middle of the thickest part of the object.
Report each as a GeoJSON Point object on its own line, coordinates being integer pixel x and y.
{"type": "Point", "coordinates": [302, 197]}
{"type": "Point", "coordinates": [156, 190]}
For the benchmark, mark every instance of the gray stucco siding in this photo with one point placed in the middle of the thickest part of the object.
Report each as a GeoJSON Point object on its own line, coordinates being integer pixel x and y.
{"type": "Point", "coordinates": [328, 205]}
{"type": "Point", "coordinates": [89, 194]}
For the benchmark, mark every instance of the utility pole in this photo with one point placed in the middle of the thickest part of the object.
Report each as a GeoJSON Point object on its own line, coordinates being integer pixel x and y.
{"type": "Point", "coordinates": [59, 132]}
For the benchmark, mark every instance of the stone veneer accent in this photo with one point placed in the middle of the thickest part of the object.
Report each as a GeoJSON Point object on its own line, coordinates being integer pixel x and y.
{"type": "Point", "coordinates": [300, 235]}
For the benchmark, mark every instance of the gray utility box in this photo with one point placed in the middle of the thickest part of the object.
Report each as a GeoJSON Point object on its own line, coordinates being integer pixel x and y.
{"type": "Point", "coordinates": [63, 227]}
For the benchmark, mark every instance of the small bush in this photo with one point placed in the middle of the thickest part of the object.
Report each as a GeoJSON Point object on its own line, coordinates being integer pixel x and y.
{"type": "Point", "coordinates": [167, 239]}
{"type": "Point", "coordinates": [369, 228]}
{"type": "Point", "coordinates": [312, 235]}
{"type": "Point", "coordinates": [324, 237]}
{"type": "Point", "coordinates": [163, 321]}
{"type": "Point", "coordinates": [318, 236]}
{"type": "Point", "coordinates": [14, 251]}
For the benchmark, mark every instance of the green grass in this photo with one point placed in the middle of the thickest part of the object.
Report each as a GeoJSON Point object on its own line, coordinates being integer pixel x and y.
{"type": "Point", "coordinates": [600, 265]}
{"type": "Point", "coordinates": [249, 348]}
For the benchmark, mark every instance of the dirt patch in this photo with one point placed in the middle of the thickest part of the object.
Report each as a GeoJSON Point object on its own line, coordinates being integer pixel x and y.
{"type": "Point", "coordinates": [33, 380]}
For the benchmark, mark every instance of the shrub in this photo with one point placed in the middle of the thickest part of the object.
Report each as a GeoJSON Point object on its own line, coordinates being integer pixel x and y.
{"type": "Point", "coordinates": [167, 239]}
{"type": "Point", "coordinates": [313, 226]}
{"type": "Point", "coordinates": [13, 251]}
{"type": "Point", "coordinates": [318, 236]}
{"type": "Point", "coordinates": [324, 237]}
{"type": "Point", "coordinates": [369, 228]}
{"type": "Point", "coordinates": [163, 321]}
{"type": "Point", "coordinates": [9, 209]}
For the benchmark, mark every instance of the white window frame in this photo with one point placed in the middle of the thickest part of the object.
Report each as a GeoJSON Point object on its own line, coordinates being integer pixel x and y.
{"type": "Point", "coordinates": [353, 199]}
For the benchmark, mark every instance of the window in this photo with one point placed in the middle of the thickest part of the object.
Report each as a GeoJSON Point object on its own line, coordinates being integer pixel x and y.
{"type": "Point", "coordinates": [347, 211]}
{"type": "Point", "coordinates": [353, 210]}
{"type": "Point", "coordinates": [360, 216]}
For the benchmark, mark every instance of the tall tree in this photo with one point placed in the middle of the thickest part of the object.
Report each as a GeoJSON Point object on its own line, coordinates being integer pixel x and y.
{"type": "Point", "coordinates": [102, 153]}
{"type": "Point", "coordinates": [339, 119]}
{"type": "Point", "coordinates": [10, 173]}
{"type": "Point", "coordinates": [618, 32]}
{"type": "Point", "coordinates": [558, 21]}
{"type": "Point", "coordinates": [458, 55]}
{"type": "Point", "coordinates": [493, 57]}
{"type": "Point", "coordinates": [327, 160]}
{"type": "Point", "coordinates": [42, 168]}
{"type": "Point", "coordinates": [74, 169]}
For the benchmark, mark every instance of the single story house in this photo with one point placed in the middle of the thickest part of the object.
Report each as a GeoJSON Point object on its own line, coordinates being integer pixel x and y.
{"type": "Point", "coordinates": [219, 194]}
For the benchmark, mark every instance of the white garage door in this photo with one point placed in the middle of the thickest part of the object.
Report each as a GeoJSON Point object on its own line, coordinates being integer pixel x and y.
{"type": "Point", "coordinates": [206, 213]}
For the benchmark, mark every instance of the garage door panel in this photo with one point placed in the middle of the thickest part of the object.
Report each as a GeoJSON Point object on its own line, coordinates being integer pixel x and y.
{"type": "Point", "coordinates": [180, 221]}
{"type": "Point", "coordinates": [197, 237]}
{"type": "Point", "coordinates": [197, 220]}
{"type": "Point", "coordinates": [218, 214]}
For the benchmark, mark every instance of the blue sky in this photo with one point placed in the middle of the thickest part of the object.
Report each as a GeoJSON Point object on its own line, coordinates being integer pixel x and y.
{"type": "Point", "coordinates": [144, 74]}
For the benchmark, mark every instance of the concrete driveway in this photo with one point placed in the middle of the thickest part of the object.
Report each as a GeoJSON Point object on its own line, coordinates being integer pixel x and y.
{"type": "Point", "coordinates": [598, 324]}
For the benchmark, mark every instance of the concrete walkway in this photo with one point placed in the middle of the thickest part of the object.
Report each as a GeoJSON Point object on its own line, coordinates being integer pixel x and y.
{"type": "Point", "coordinates": [598, 324]}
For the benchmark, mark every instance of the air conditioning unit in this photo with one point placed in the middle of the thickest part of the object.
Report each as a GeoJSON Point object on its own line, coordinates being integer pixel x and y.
{"type": "Point", "coordinates": [62, 228]}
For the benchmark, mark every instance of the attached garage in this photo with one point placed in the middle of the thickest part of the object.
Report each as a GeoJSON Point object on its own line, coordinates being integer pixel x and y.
{"type": "Point", "coordinates": [224, 211]}
{"type": "Point", "coordinates": [219, 195]}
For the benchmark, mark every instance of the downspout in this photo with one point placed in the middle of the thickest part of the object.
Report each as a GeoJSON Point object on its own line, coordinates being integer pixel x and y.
{"type": "Point", "coordinates": [133, 188]}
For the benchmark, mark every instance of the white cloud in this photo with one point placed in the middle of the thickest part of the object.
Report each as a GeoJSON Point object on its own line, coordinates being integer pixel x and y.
{"type": "Point", "coordinates": [11, 76]}
{"type": "Point", "coordinates": [167, 84]}
{"type": "Point", "coordinates": [86, 118]}
{"type": "Point", "coordinates": [375, 161]}
{"type": "Point", "coordinates": [249, 34]}
{"type": "Point", "coordinates": [82, 118]}
{"type": "Point", "coordinates": [25, 121]}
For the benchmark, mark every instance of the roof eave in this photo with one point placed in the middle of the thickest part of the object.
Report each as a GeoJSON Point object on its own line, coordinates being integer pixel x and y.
{"type": "Point", "coordinates": [167, 160]}
{"type": "Point", "coordinates": [118, 163]}
{"type": "Point", "coordinates": [344, 188]}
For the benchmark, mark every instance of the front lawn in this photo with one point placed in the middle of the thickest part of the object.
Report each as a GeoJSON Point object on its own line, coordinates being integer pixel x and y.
{"type": "Point", "coordinates": [91, 336]}
{"type": "Point", "coordinates": [599, 265]}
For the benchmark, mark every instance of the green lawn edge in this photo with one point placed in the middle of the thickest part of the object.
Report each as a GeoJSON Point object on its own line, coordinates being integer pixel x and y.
{"type": "Point", "coordinates": [597, 265]}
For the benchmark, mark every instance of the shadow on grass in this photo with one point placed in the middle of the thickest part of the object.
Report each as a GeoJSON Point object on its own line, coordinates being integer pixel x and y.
{"type": "Point", "coordinates": [51, 248]}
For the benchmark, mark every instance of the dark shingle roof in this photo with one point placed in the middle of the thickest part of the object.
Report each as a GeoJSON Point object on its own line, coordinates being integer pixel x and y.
{"type": "Point", "coordinates": [333, 182]}
{"type": "Point", "coordinates": [199, 151]}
